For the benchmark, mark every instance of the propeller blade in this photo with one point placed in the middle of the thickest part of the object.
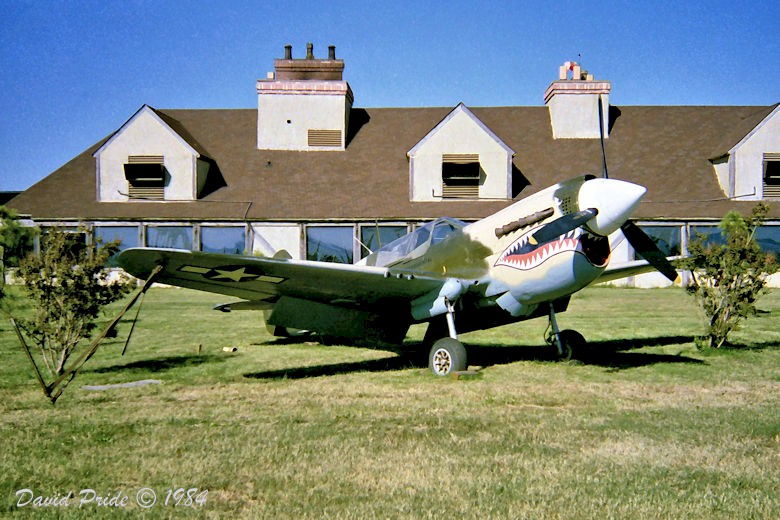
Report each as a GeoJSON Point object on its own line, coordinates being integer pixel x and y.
{"type": "Point", "coordinates": [646, 248]}
{"type": "Point", "coordinates": [563, 225]}
{"type": "Point", "coordinates": [601, 135]}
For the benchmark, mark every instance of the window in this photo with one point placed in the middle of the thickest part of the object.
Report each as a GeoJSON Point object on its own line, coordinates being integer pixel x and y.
{"type": "Point", "coordinates": [771, 175]}
{"type": "Point", "coordinates": [710, 233]}
{"type": "Point", "coordinates": [667, 238]}
{"type": "Point", "coordinates": [145, 176]}
{"type": "Point", "coordinates": [229, 240]}
{"type": "Point", "coordinates": [330, 244]}
{"type": "Point", "coordinates": [76, 239]}
{"type": "Point", "coordinates": [443, 228]}
{"type": "Point", "coordinates": [373, 237]}
{"type": "Point", "coordinates": [768, 237]}
{"type": "Point", "coordinates": [126, 235]}
{"type": "Point", "coordinates": [417, 242]}
{"type": "Point", "coordinates": [460, 175]}
{"type": "Point", "coordinates": [176, 237]}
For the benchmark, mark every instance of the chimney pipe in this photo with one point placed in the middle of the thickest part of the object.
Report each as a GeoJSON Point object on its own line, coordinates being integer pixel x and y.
{"type": "Point", "coordinates": [331, 52]}
{"type": "Point", "coordinates": [309, 51]}
{"type": "Point", "coordinates": [288, 52]}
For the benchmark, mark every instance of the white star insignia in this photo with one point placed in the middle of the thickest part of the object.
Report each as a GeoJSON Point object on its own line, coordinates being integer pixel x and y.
{"type": "Point", "coordinates": [237, 276]}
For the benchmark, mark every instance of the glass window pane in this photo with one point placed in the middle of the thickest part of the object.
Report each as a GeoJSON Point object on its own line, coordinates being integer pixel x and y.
{"type": "Point", "coordinates": [710, 234]}
{"type": "Point", "coordinates": [768, 238]}
{"type": "Point", "coordinates": [422, 234]}
{"type": "Point", "coordinates": [76, 241]}
{"type": "Point", "coordinates": [329, 244]}
{"type": "Point", "coordinates": [230, 240]}
{"type": "Point", "coordinates": [126, 235]}
{"type": "Point", "coordinates": [373, 240]}
{"type": "Point", "coordinates": [442, 230]}
{"type": "Point", "coordinates": [177, 237]}
{"type": "Point", "coordinates": [667, 238]}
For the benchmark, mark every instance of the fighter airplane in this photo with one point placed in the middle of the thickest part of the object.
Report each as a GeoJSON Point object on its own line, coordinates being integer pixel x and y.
{"type": "Point", "coordinates": [522, 262]}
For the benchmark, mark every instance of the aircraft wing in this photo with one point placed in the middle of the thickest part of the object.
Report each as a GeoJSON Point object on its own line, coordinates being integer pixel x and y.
{"type": "Point", "coordinates": [261, 279]}
{"type": "Point", "coordinates": [615, 271]}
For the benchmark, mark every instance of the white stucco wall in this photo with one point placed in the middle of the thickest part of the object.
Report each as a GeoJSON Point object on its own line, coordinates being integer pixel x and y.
{"type": "Point", "coordinates": [270, 238]}
{"type": "Point", "coordinates": [722, 173]}
{"type": "Point", "coordinates": [304, 112]}
{"type": "Point", "coordinates": [576, 115]}
{"type": "Point", "coordinates": [145, 134]}
{"type": "Point", "coordinates": [459, 135]}
{"type": "Point", "coordinates": [749, 156]}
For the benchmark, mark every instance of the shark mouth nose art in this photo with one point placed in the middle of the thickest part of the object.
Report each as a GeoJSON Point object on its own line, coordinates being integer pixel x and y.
{"type": "Point", "coordinates": [525, 255]}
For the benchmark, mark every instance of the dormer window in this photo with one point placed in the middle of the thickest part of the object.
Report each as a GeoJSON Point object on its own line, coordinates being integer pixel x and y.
{"type": "Point", "coordinates": [153, 157]}
{"type": "Point", "coordinates": [460, 175]}
{"type": "Point", "coordinates": [771, 175]}
{"type": "Point", "coordinates": [145, 176]}
{"type": "Point", "coordinates": [460, 159]}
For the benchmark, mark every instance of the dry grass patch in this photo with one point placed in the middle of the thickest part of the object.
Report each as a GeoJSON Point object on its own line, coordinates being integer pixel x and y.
{"type": "Point", "coordinates": [279, 430]}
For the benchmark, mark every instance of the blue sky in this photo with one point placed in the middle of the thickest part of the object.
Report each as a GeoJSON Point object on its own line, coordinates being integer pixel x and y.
{"type": "Point", "coordinates": [71, 72]}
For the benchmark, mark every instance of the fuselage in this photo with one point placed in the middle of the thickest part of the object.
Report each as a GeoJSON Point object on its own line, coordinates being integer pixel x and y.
{"type": "Point", "coordinates": [499, 261]}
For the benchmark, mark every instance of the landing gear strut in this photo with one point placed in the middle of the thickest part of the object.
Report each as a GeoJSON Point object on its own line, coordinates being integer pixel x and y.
{"type": "Point", "coordinates": [448, 355]}
{"type": "Point", "coordinates": [568, 343]}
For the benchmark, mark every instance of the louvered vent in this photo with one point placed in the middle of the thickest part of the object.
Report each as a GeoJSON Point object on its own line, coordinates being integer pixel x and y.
{"type": "Point", "coordinates": [145, 176]}
{"type": "Point", "coordinates": [460, 158]}
{"type": "Point", "coordinates": [771, 192]}
{"type": "Point", "coordinates": [146, 159]}
{"type": "Point", "coordinates": [146, 192]}
{"type": "Point", "coordinates": [325, 138]}
{"type": "Point", "coordinates": [460, 175]}
{"type": "Point", "coordinates": [772, 175]}
{"type": "Point", "coordinates": [460, 192]}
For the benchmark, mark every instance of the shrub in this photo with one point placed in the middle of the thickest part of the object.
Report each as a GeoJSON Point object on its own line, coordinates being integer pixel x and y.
{"type": "Point", "coordinates": [729, 277]}
{"type": "Point", "coordinates": [68, 285]}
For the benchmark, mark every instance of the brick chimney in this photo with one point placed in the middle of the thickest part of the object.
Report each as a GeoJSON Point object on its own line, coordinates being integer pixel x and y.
{"type": "Point", "coordinates": [304, 104]}
{"type": "Point", "coordinates": [309, 68]}
{"type": "Point", "coordinates": [573, 101]}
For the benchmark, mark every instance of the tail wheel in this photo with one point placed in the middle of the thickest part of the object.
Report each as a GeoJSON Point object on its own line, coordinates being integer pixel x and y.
{"type": "Point", "coordinates": [447, 355]}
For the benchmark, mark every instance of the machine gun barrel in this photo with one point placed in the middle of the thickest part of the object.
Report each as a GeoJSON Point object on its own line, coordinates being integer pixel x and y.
{"type": "Point", "coordinates": [524, 222]}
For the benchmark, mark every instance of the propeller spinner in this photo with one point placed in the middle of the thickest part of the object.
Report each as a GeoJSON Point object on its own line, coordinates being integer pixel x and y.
{"type": "Point", "coordinates": [607, 205]}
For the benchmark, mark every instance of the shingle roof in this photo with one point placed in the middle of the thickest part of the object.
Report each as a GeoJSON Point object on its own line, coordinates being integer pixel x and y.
{"type": "Point", "coordinates": [664, 148]}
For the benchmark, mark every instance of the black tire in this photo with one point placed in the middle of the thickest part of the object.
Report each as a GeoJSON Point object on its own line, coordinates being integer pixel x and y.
{"type": "Point", "coordinates": [447, 355]}
{"type": "Point", "coordinates": [573, 344]}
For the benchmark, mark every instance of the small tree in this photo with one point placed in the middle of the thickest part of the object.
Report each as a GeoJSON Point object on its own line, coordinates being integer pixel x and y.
{"type": "Point", "coordinates": [15, 241]}
{"type": "Point", "coordinates": [729, 277]}
{"type": "Point", "coordinates": [68, 285]}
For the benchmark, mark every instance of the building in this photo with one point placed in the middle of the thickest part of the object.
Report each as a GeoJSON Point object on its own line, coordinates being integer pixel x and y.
{"type": "Point", "coordinates": [308, 172]}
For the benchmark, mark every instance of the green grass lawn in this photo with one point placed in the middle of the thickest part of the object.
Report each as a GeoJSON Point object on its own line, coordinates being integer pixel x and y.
{"type": "Point", "coordinates": [648, 428]}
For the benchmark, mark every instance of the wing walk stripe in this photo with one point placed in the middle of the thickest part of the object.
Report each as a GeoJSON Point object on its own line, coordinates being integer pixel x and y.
{"type": "Point", "coordinates": [194, 269]}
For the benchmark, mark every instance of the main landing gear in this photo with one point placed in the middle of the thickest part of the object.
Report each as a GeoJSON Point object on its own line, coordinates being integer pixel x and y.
{"type": "Point", "coordinates": [568, 343]}
{"type": "Point", "coordinates": [448, 355]}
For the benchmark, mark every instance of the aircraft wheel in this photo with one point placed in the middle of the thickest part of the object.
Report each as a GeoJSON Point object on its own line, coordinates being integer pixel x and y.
{"type": "Point", "coordinates": [447, 355]}
{"type": "Point", "coordinates": [573, 344]}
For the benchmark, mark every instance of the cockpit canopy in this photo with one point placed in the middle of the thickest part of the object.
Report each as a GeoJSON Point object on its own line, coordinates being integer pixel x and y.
{"type": "Point", "coordinates": [415, 244]}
